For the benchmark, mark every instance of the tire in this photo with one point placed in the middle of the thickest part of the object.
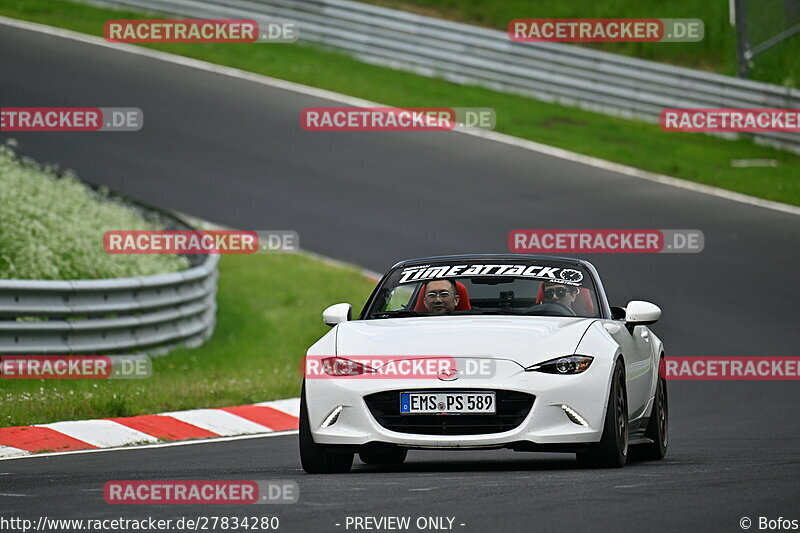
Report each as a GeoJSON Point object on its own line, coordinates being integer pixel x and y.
{"type": "Point", "coordinates": [658, 427]}
{"type": "Point", "coordinates": [612, 450]}
{"type": "Point", "coordinates": [318, 458]}
{"type": "Point", "coordinates": [391, 457]}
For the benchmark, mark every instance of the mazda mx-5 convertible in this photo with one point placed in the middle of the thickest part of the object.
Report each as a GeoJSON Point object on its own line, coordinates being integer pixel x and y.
{"type": "Point", "coordinates": [485, 351]}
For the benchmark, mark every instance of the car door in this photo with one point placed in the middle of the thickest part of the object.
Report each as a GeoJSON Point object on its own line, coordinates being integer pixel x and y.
{"type": "Point", "coordinates": [637, 349]}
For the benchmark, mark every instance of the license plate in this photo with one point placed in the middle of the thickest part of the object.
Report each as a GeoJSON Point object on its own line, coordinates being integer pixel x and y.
{"type": "Point", "coordinates": [447, 402]}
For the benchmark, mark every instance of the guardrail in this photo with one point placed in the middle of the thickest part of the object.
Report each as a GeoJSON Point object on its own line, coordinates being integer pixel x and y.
{"type": "Point", "coordinates": [465, 54]}
{"type": "Point", "coordinates": [148, 314]}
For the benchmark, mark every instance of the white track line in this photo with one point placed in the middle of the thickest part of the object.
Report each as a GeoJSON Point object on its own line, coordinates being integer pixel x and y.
{"type": "Point", "coordinates": [358, 102]}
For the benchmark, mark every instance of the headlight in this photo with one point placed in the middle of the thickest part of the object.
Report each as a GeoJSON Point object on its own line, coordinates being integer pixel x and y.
{"type": "Point", "coordinates": [338, 366]}
{"type": "Point", "coordinates": [570, 364]}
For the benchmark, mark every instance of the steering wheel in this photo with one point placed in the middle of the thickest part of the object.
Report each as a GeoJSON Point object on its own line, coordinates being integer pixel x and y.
{"type": "Point", "coordinates": [551, 308]}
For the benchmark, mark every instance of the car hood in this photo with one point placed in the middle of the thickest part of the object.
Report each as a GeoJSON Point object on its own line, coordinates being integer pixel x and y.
{"type": "Point", "coordinates": [526, 340]}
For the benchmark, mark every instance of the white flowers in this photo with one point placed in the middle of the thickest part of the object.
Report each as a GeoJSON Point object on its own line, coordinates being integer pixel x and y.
{"type": "Point", "coordinates": [52, 226]}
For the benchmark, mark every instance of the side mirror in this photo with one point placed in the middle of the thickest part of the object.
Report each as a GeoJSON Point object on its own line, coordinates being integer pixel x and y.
{"type": "Point", "coordinates": [641, 313]}
{"type": "Point", "coordinates": [337, 313]}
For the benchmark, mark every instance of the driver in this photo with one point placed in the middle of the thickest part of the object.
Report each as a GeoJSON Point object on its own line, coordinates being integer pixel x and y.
{"type": "Point", "coordinates": [556, 293]}
{"type": "Point", "coordinates": [441, 297]}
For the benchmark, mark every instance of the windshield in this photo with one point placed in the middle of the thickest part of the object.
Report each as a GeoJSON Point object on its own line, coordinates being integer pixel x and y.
{"type": "Point", "coordinates": [504, 287]}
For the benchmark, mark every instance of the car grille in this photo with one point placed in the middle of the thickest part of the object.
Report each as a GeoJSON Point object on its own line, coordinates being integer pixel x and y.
{"type": "Point", "coordinates": [512, 408]}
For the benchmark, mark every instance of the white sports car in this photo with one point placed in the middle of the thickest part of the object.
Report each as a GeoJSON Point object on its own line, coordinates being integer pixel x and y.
{"type": "Point", "coordinates": [485, 351]}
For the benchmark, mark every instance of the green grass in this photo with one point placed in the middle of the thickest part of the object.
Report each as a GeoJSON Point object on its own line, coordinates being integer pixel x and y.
{"type": "Point", "coordinates": [64, 225]}
{"type": "Point", "coordinates": [716, 52]}
{"type": "Point", "coordinates": [269, 313]}
{"type": "Point", "coordinates": [690, 156]}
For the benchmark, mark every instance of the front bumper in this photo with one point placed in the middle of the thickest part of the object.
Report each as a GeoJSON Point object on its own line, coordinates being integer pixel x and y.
{"type": "Point", "coordinates": [545, 424]}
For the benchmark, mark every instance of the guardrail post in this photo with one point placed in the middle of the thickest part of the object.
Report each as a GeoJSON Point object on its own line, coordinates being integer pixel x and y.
{"type": "Point", "coordinates": [742, 44]}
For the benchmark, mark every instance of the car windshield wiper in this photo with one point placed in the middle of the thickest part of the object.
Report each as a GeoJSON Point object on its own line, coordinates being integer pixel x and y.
{"type": "Point", "coordinates": [395, 314]}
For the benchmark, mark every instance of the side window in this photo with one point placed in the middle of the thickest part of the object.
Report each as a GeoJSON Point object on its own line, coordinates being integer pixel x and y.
{"type": "Point", "coordinates": [399, 298]}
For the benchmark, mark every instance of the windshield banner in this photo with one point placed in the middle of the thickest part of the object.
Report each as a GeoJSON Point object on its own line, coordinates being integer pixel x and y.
{"type": "Point", "coordinates": [568, 276]}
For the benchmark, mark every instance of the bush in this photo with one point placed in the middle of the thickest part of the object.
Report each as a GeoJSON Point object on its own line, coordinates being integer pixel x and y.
{"type": "Point", "coordinates": [52, 226]}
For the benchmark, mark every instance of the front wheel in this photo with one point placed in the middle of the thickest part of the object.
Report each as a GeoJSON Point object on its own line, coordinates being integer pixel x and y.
{"type": "Point", "coordinates": [658, 427]}
{"type": "Point", "coordinates": [612, 450]}
{"type": "Point", "coordinates": [318, 458]}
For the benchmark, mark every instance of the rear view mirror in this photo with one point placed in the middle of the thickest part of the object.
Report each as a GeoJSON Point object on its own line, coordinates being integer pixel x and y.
{"type": "Point", "coordinates": [337, 313]}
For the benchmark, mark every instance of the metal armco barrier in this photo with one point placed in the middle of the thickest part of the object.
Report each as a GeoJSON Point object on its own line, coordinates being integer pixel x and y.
{"type": "Point", "coordinates": [465, 54]}
{"type": "Point", "coordinates": [148, 314]}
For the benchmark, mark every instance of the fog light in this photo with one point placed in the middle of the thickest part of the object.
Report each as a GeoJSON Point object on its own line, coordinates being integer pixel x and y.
{"type": "Point", "coordinates": [332, 418]}
{"type": "Point", "coordinates": [574, 416]}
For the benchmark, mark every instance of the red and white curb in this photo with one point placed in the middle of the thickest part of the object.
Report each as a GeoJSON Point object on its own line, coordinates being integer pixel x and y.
{"type": "Point", "coordinates": [266, 417]}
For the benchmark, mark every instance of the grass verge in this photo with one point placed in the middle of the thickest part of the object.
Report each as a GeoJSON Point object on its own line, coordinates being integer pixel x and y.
{"type": "Point", "coordinates": [269, 313]}
{"type": "Point", "coordinates": [716, 52]}
{"type": "Point", "coordinates": [691, 156]}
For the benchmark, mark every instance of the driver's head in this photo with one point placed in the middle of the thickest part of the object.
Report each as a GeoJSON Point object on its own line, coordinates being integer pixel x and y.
{"type": "Point", "coordinates": [441, 296]}
{"type": "Point", "coordinates": [560, 294]}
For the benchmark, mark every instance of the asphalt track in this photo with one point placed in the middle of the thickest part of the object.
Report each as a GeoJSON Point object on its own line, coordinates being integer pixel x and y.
{"type": "Point", "coordinates": [232, 151]}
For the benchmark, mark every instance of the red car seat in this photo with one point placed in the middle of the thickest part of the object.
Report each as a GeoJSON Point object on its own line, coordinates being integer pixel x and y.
{"type": "Point", "coordinates": [463, 299]}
